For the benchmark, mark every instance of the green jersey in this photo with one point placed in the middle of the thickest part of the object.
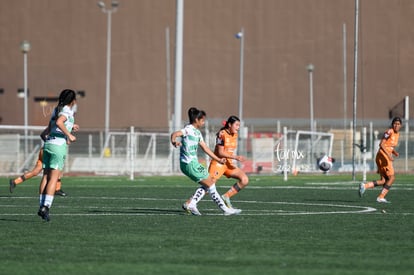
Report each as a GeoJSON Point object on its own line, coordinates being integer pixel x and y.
{"type": "Point", "coordinates": [56, 136]}
{"type": "Point", "coordinates": [190, 140]}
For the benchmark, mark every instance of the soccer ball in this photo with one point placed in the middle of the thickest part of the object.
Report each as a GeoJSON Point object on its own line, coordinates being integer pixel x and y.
{"type": "Point", "coordinates": [325, 163]}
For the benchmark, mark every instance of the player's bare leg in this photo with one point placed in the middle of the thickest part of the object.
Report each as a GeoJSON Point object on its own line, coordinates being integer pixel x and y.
{"type": "Point", "coordinates": [28, 175]}
{"type": "Point", "coordinates": [242, 183]}
{"type": "Point", "coordinates": [385, 189]}
{"type": "Point", "coordinates": [371, 184]}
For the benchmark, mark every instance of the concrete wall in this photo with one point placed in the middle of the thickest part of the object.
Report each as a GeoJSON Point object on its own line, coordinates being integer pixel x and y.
{"type": "Point", "coordinates": [68, 39]}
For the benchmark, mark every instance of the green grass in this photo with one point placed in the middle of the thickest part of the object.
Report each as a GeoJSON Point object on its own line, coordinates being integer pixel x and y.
{"type": "Point", "coordinates": [307, 225]}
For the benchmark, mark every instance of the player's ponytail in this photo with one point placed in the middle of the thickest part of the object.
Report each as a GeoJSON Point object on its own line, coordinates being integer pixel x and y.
{"type": "Point", "coordinates": [227, 123]}
{"type": "Point", "coordinates": [194, 113]}
{"type": "Point", "coordinates": [230, 121]}
{"type": "Point", "coordinates": [65, 98]}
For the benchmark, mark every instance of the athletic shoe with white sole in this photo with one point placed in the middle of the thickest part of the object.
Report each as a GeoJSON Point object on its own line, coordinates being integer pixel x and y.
{"type": "Point", "coordinates": [191, 209]}
{"type": "Point", "coordinates": [361, 189]}
{"type": "Point", "coordinates": [382, 200]}
{"type": "Point", "coordinates": [232, 211]}
{"type": "Point", "coordinates": [185, 207]}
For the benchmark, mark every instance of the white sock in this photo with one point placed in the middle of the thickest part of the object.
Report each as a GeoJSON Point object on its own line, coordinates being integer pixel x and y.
{"type": "Point", "coordinates": [215, 196]}
{"type": "Point", "coordinates": [48, 201]}
{"type": "Point", "coordinates": [198, 195]}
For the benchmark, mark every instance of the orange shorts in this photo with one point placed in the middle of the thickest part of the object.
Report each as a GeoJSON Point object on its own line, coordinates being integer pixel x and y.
{"type": "Point", "coordinates": [384, 165]}
{"type": "Point", "coordinates": [216, 169]}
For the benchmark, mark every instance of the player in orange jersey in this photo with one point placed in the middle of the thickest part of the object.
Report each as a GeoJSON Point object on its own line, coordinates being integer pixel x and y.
{"type": "Point", "coordinates": [384, 161]}
{"type": "Point", "coordinates": [226, 147]}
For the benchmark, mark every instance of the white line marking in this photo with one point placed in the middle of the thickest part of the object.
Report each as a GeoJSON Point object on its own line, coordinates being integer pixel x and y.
{"type": "Point", "coordinates": [139, 211]}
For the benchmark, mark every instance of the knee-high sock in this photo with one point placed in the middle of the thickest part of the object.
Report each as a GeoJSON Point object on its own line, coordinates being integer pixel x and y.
{"type": "Point", "coordinates": [48, 201]}
{"type": "Point", "coordinates": [198, 195]}
{"type": "Point", "coordinates": [215, 196]}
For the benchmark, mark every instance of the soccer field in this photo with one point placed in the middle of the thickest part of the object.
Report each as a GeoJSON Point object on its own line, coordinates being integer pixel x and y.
{"type": "Point", "coordinates": [111, 225]}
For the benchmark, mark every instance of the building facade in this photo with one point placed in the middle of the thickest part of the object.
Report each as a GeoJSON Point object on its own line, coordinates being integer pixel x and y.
{"type": "Point", "coordinates": [281, 38]}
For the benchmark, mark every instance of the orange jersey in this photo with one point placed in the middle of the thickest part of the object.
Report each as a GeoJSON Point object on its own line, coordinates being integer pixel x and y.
{"type": "Point", "coordinates": [229, 142]}
{"type": "Point", "coordinates": [384, 164]}
{"type": "Point", "coordinates": [391, 140]}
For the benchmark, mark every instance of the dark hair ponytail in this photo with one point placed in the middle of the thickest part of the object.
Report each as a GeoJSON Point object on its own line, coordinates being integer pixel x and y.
{"type": "Point", "coordinates": [194, 113]}
{"type": "Point", "coordinates": [230, 120]}
{"type": "Point", "coordinates": [65, 98]}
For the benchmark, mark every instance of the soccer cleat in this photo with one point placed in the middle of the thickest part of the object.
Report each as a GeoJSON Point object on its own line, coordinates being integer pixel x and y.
{"type": "Point", "coordinates": [191, 209]}
{"type": "Point", "coordinates": [185, 207]}
{"type": "Point", "coordinates": [227, 201]}
{"type": "Point", "coordinates": [382, 200]}
{"type": "Point", "coordinates": [44, 213]}
{"type": "Point", "coordinates": [12, 186]}
{"type": "Point", "coordinates": [232, 211]}
{"type": "Point", "coordinates": [61, 193]}
{"type": "Point", "coordinates": [361, 189]}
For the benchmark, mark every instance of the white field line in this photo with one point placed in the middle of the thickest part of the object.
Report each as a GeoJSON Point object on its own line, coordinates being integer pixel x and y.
{"type": "Point", "coordinates": [347, 209]}
{"type": "Point", "coordinates": [314, 186]}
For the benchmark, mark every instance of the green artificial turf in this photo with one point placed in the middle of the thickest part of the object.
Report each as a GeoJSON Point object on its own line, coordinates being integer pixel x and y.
{"type": "Point", "coordinates": [310, 224]}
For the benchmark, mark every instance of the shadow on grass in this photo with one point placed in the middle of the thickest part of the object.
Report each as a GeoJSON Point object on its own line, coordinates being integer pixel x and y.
{"type": "Point", "coordinates": [140, 211]}
{"type": "Point", "coordinates": [16, 220]}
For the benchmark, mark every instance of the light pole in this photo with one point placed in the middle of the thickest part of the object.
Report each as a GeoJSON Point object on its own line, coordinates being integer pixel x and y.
{"type": "Point", "coordinates": [355, 88]}
{"type": "Point", "coordinates": [25, 48]}
{"type": "Point", "coordinates": [242, 135]}
{"type": "Point", "coordinates": [114, 7]}
{"type": "Point", "coordinates": [310, 69]}
{"type": "Point", "coordinates": [240, 36]}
